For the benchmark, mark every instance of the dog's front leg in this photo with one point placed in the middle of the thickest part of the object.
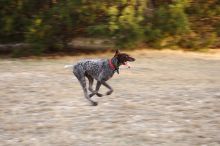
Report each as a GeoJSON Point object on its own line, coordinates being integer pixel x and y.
{"type": "Point", "coordinates": [108, 86]}
{"type": "Point", "coordinates": [98, 85]}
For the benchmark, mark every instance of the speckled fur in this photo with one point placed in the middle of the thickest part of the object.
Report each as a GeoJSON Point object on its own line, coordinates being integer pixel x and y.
{"type": "Point", "coordinates": [100, 70]}
{"type": "Point", "coordinates": [97, 69]}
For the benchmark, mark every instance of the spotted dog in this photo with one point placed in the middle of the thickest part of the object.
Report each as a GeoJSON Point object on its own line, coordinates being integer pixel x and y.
{"type": "Point", "coordinates": [100, 70]}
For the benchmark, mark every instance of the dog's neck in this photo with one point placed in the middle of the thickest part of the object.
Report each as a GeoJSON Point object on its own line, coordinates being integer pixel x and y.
{"type": "Point", "coordinates": [115, 63]}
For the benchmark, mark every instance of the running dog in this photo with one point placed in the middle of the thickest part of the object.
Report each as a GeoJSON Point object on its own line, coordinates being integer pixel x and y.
{"type": "Point", "coordinates": [100, 70]}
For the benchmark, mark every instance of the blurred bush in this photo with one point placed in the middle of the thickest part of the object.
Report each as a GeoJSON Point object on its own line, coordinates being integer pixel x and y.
{"type": "Point", "coordinates": [50, 24]}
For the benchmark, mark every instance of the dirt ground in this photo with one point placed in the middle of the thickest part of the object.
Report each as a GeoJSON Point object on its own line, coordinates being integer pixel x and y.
{"type": "Point", "coordinates": [167, 98]}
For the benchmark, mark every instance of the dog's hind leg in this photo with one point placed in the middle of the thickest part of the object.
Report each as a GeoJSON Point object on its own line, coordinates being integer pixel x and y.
{"type": "Point", "coordinates": [82, 81]}
{"type": "Point", "coordinates": [90, 82]}
{"type": "Point", "coordinates": [83, 84]}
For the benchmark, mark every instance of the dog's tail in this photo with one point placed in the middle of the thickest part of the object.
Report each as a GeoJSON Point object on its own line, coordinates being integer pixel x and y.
{"type": "Point", "coordinates": [68, 66]}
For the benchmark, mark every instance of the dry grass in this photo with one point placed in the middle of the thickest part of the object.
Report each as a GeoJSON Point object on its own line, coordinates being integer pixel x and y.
{"type": "Point", "coordinates": [166, 98]}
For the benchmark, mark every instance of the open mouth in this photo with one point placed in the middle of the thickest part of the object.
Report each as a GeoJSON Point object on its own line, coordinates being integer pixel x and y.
{"type": "Point", "coordinates": [126, 64]}
{"type": "Point", "coordinates": [130, 60]}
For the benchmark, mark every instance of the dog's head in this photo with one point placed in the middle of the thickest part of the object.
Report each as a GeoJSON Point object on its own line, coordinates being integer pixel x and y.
{"type": "Point", "coordinates": [123, 58]}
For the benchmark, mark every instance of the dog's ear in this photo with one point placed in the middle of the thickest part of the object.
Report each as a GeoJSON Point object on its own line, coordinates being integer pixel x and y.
{"type": "Point", "coordinates": [117, 52]}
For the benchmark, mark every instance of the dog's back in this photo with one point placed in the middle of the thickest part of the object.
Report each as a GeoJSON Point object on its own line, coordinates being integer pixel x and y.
{"type": "Point", "coordinates": [93, 67]}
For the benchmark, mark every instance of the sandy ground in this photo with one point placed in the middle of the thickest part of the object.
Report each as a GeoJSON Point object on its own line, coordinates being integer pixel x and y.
{"type": "Point", "coordinates": [167, 98]}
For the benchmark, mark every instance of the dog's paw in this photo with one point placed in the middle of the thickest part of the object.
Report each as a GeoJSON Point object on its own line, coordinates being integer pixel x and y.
{"type": "Point", "coordinates": [109, 92]}
{"type": "Point", "coordinates": [99, 94]}
{"type": "Point", "coordinates": [94, 103]}
{"type": "Point", "coordinates": [92, 94]}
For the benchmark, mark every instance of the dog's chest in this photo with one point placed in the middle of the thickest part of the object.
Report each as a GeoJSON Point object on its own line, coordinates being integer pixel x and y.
{"type": "Point", "coordinates": [106, 74]}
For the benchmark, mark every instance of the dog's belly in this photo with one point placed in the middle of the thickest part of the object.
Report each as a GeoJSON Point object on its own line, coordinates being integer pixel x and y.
{"type": "Point", "coordinates": [94, 73]}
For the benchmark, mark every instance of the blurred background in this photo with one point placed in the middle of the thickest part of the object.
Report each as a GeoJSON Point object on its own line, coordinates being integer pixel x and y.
{"type": "Point", "coordinates": [62, 25]}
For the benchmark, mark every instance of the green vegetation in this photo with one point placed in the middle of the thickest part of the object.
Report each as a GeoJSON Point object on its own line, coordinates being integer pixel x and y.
{"type": "Point", "coordinates": [50, 24]}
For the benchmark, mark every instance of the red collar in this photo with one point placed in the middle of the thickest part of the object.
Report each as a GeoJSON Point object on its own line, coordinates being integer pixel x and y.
{"type": "Point", "coordinates": [111, 64]}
